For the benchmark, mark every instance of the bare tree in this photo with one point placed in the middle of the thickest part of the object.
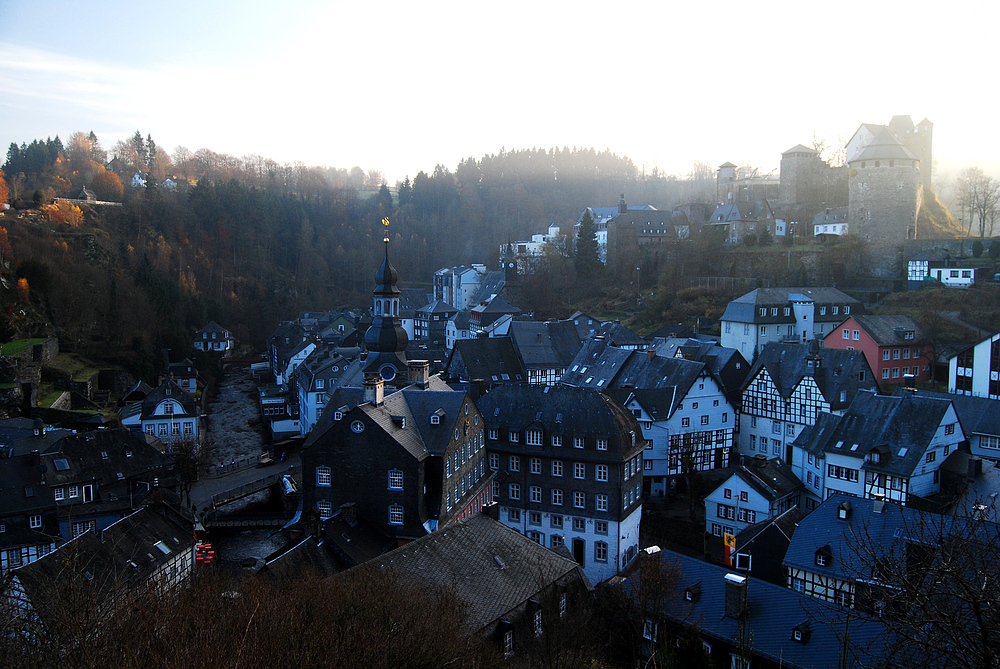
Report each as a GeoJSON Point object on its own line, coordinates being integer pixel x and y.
{"type": "Point", "coordinates": [933, 585]}
{"type": "Point", "coordinates": [979, 196]}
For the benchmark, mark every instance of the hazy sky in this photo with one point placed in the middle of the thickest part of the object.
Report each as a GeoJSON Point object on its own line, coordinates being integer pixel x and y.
{"type": "Point", "coordinates": [403, 86]}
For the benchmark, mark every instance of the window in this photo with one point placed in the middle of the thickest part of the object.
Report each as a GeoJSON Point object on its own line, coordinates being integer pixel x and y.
{"type": "Point", "coordinates": [895, 354]}
{"type": "Point", "coordinates": [493, 434]}
{"type": "Point", "coordinates": [168, 408]}
{"type": "Point", "coordinates": [949, 429]}
{"type": "Point", "coordinates": [579, 525]}
{"type": "Point", "coordinates": [533, 437]}
{"type": "Point", "coordinates": [556, 521]}
{"type": "Point", "coordinates": [577, 442]}
{"type": "Point", "coordinates": [704, 420]}
{"type": "Point", "coordinates": [600, 551]}
{"type": "Point", "coordinates": [885, 373]}
{"type": "Point", "coordinates": [447, 467]}
{"type": "Point", "coordinates": [601, 472]}
{"type": "Point", "coordinates": [557, 467]}
{"type": "Point", "coordinates": [508, 643]}
{"type": "Point", "coordinates": [88, 493]}
{"type": "Point", "coordinates": [557, 497]}
{"type": "Point", "coordinates": [538, 622]}
{"type": "Point", "coordinates": [514, 491]}
{"type": "Point", "coordinates": [579, 470]}
{"type": "Point", "coordinates": [514, 463]}
{"type": "Point", "coordinates": [188, 428]}
{"type": "Point", "coordinates": [763, 330]}
{"type": "Point", "coordinates": [601, 526]}
{"type": "Point", "coordinates": [601, 502]}
{"type": "Point", "coordinates": [744, 496]}
{"type": "Point", "coordinates": [514, 515]}
{"type": "Point", "coordinates": [930, 457]}
{"type": "Point", "coordinates": [557, 442]}
{"type": "Point", "coordinates": [790, 429]}
{"type": "Point", "coordinates": [836, 310]}
{"type": "Point", "coordinates": [35, 522]}
{"type": "Point", "coordinates": [435, 419]}
{"type": "Point", "coordinates": [685, 422]}
{"type": "Point", "coordinates": [395, 514]}
{"type": "Point", "coordinates": [535, 465]}
{"type": "Point", "coordinates": [536, 494]}
{"type": "Point", "coordinates": [562, 598]}
{"type": "Point", "coordinates": [602, 444]}
{"type": "Point", "coordinates": [855, 334]}
{"type": "Point", "coordinates": [579, 499]}
{"type": "Point", "coordinates": [494, 461]}
{"type": "Point", "coordinates": [161, 430]}
{"type": "Point", "coordinates": [395, 479]}
{"type": "Point", "coordinates": [535, 518]}
{"type": "Point", "coordinates": [325, 509]}
{"type": "Point", "coordinates": [59, 493]}
{"type": "Point", "coordinates": [694, 405]}
{"type": "Point", "coordinates": [776, 427]}
{"type": "Point", "coordinates": [323, 476]}
{"type": "Point", "coordinates": [845, 333]}
{"type": "Point", "coordinates": [74, 491]}
{"type": "Point", "coordinates": [513, 436]}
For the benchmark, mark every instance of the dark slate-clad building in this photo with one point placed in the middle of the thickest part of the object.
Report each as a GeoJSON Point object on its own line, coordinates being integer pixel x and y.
{"type": "Point", "coordinates": [545, 348]}
{"type": "Point", "coordinates": [568, 465]}
{"type": "Point", "coordinates": [492, 360]}
{"type": "Point", "coordinates": [411, 461]}
{"type": "Point", "coordinates": [788, 629]}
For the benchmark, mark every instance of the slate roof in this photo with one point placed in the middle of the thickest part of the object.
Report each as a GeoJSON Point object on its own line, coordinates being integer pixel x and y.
{"type": "Point", "coordinates": [493, 309]}
{"type": "Point", "coordinates": [436, 307]}
{"type": "Point", "coordinates": [772, 479]}
{"type": "Point", "coordinates": [218, 329]}
{"type": "Point", "coordinates": [461, 320]}
{"type": "Point", "coordinates": [545, 345]}
{"type": "Point", "coordinates": [839, 370]}
{"type": "Point", "coordinates": [599, 365]}
{"type": "Point", "coordinates": [619, 335]}
{"type": "Point", "coordinates": [491, 568]}
{"type": "Point", "coordinates": [17, 437]}
{"type": "Point", "coordinates": [978, 415]}
{"type": "Point", "coordinates": [799, 148]}
{"type": "Point", "coordinates": [488, 359]}
{"type": "Point", "coordinates": [829, 216]}
{"type": "Point", "coordinates": [773, 613]}
{"type": "Point", "coordinates": [903, 423]}
{"type": "Point", "coordinates": [123, 556]}
{"type": "Point", "coordinates": [744, 308]}
{"type": "Point", "coordinates": [786, 523]}
{"type": "Point", "coordinates": [560, 410]}
{"type": "Point", "coordinates": [884, 147]}
{"type": "Point", "coordinates": [715, 356]}
{"type": "Point", "coordinates": [888, 330]}
{"type": "Point", "coordinates": [341, 399]}
{"type": "Point", "coordinates": [308, 555]}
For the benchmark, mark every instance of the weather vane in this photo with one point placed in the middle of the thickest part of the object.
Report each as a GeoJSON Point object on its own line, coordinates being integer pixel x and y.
{"type": "Point", "coordinates": [385, 222]}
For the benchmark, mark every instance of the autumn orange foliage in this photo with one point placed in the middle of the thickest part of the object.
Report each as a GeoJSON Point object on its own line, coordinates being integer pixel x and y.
{"type": "Point", "coordinates": [4, 193]}
{"type": "Point", "coordinates": [6, 252]}
{"type": "Point", "coordinates": [63, 212]}
{"type": "Point", "coordinates": [22, 289]}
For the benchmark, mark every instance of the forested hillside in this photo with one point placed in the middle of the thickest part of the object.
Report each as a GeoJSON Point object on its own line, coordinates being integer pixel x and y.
{"type": "Point", "coordinates": [247, 242]}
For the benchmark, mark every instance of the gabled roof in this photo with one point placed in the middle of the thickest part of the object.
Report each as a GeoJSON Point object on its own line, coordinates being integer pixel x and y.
{"type": "Point", "coordinates": [488, 359]}
{"type": "Point", "coordinates": [890, 329]}
{"type": "Point", "coordinates": [17, 436]}
{"type": "Point", "coordinates": [218, 329]}
{"type": "Point", "coordinates": [772, 479]}
{"type": "Point", "coordinates": [978, 415]}
{"type": "Point", "coordinates": [900, 427]}
{"type": "Point", "coordinates": [437, 307]}
{"type": "Point", "coordinates": [838, 370]}
{"type": "Point", "coordinates": [799, 148]}
{"type": "Point", "coordinates": [491, 568]}
{"type": "Point", "coordinates": [169, 390]}
{"type": "Point", "coordinates": [122, 557]}
{"type": "Point", "coordinates": [786, 523]}
{"type": "Point", "coordinates": [744, 308]}
{"type": "Point", "coordinates": [831, 216]}
{"type": "Point", "coordinates": [341, 399]}
{"type": "Point", "coordinates": [545, 345]}
{"type": "Point", "coordinates": [461, 320]}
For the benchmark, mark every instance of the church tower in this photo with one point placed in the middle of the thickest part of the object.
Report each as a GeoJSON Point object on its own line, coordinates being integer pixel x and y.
{"type": "Point", "coordinates": [386, 339]}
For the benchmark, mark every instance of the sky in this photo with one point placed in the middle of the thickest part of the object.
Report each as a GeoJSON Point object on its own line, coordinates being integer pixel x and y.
{"type": "Point", "coordinates": [403, 86]}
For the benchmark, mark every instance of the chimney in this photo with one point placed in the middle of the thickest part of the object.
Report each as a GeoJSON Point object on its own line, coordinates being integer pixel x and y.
{"type": "Point", "coordinates": [650, 353]}
{"type": "Point", "coordinates": [622, 207]}
{"type": "Point", "coordinates": [419, 372]}
{"type": "Point", "coordinates": [349, 513]}
{"type": "Point", "coordinates": [736, 593]}
{"type": "Point", "coordinates": [477, 388]}
{"type": "Point", "coordinates": [374, 386]}
{"type": "Point", "coordinates": [878, 505]}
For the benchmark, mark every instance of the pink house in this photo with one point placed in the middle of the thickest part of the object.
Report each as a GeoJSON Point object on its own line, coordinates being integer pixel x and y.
{"type": "Point", "coordinates": [893, 345]}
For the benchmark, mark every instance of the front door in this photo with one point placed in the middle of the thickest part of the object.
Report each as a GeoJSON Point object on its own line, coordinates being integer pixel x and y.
{"type": "Point", "coordinates": [579, 549]}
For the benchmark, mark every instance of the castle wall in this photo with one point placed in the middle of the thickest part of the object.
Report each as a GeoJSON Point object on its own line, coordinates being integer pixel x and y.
{"type": "Point", "coordinates": [884, 200]}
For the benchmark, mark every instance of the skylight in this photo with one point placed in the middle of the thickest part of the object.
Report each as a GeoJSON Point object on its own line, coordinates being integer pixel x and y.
{"type": "Point", "coordinates": [165, 549]}
{"type": "Point", "coordinates": [61, 464]}
{"type": "Point", "coordinates": [903, 451]}
{"type": "Point", "coordinates": [854, 447]}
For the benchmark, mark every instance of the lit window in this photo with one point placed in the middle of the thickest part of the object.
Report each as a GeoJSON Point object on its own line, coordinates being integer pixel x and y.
{"type": "Point", "coordinates": [323, 476]}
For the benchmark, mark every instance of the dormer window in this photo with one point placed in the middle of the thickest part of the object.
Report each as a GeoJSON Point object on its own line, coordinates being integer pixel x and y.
{"type": "Point", "coordinates": [801, 632]}
{"type": "Point", "coordinates": [844, 510]}
{"type": "Point", "coordinates": [692, 592]}
{"type": "Point", "coordinates": [824, 556]}
{"type": "Point", "coordinates": [337, 415]}
{"type": "Point", "coordinates": [435, 419]}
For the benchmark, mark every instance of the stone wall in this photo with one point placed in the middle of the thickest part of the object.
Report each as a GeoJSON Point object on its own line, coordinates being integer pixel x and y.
{"type": "Point", "coordinates": [884, 201]}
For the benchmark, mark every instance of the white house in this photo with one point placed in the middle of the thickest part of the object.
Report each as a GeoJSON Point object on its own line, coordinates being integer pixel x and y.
{"type": "Point", "coordinates": [214, 337]}
{"type": "Point", "coordinates": [976, 370]}
{"type": "Point", "coordinates": [881, 448]}
{"type": "Point", "coordinates": [168, 413]}
{"type": "Point", "coordinates": [783, 315]}
{"type": "Point", "coordinates": [759, 490]}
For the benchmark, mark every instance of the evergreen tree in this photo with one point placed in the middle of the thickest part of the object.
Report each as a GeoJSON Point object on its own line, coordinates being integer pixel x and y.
{"type": "Point", "coordinates": [588, 262]}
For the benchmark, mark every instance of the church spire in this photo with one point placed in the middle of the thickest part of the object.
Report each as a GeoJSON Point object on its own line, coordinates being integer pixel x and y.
{"type": "Point", "coordinates": [386, 340]}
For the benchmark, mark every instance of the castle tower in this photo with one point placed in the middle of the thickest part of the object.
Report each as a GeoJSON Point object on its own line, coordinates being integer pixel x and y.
{"type": "Point", "coordinates": [725, 182]}
{"type": "Point", "coordinates": [885, 190]}
{"type": "Point", "coordinates": [798, 170]}
{"type": "Point", "coordinates": [386, 339]}
{"type": "Point", "coordinates": [923, 134]}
